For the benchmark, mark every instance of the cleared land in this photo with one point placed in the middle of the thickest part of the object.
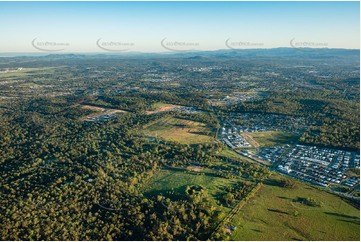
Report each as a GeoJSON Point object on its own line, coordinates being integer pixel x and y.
{"type": "Point", "coordinates": [179, 130]}
{"type": "Point", "coordinates": [99, 111]}
{"type": "Point", "coordinates": [274, 215]}
{"type": "Point", "coordinates": [271, 138]}
{"type": "Point", "coordinates": [172, 183]}
{"type": "Point", "coordinates": [23, 72]}
{"type": "Point", "coordinates": [162, 107]}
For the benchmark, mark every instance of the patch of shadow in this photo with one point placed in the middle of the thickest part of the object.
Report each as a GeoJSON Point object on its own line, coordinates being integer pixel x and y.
{"type": "Point", "coordinates": [272, 182]}
{"type": "Point", "coordinates": [257, 230]}
{"type": "Point", "coordinates": [342, 215]}
{"type": "Point", "coordinates": [286, 198]}
{"type": "Point", "coordinates": [297, 239]}
{"type": "Point", "coordinates": [198, 132]}
{"type": "Point", "coordinates": [277, 211]}
{"type": "Point", "coordinates": [178, 193]}
{"type": "Point", "coordinates": [263, 221]}
{"type": "Point", "coordinates": [180, 125]}
{"type": "Point", "coordinates": [298, 231]}
{"type": "Point", "coordinates": [349, 221]}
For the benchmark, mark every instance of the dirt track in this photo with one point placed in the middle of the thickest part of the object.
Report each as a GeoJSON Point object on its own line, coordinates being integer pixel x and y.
{"type": "Point", "coordinates": [250, 139]}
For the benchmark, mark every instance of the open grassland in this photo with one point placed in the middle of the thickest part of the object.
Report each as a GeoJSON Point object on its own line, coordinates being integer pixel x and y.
{"type": "Point", "coordinates": [272, 138]}
{"type": "Point", "coordinates": [179, 130]}
{"type": "Point", "coordinates": [274, 215]}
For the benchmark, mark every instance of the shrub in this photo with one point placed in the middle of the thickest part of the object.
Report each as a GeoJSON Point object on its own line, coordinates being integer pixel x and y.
{"type": "Point", "coordinates": [288, 183]}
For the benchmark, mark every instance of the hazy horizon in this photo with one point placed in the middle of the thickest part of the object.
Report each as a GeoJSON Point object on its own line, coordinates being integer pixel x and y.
{"type": "Point", "coordinates": [39, 53]}
{"type": "Point", "coordinates": [154, 27]}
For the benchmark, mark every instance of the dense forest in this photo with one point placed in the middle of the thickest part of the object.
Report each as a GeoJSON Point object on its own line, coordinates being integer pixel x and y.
{"type": "Point", "coordinates": [71, 180]}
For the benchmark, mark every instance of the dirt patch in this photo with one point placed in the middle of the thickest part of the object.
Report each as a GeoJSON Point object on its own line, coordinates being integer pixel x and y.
{"type": "Point", "coordinates": [194, 168]}
{"type": "Point", "coordinates": [94, 108]}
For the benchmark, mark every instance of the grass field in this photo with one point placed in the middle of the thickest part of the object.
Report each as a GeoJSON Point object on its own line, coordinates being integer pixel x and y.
{"type": "Point", "coordinates": [272, 215]}
{"type": "Point", "coordinates": [273, 138]}
{"type": "Point", "coordinates": [159, 105]}
{"type": "Point", "coordinates": [179, 130]}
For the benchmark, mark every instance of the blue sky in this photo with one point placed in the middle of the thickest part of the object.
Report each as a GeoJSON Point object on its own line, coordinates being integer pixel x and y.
{"type": "Point", "coordinates": [141, 26]}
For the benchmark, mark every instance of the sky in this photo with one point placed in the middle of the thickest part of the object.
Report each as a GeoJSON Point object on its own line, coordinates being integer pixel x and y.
{"type": "Point", "coordinates": [176, 26]}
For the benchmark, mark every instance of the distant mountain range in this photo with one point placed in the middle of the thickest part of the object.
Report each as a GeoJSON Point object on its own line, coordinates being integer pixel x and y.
{"type": "Point", "coordinates": [225, 53]}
